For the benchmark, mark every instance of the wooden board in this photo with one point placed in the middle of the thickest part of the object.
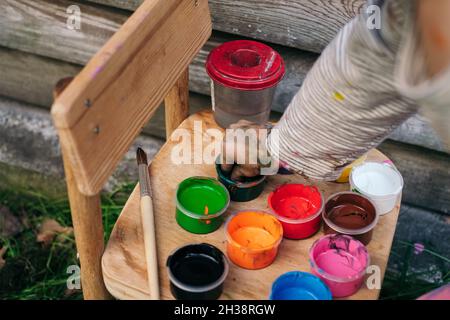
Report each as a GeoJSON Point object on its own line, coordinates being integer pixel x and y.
{"type": "Point", "coordinates": [79, 46]}
{"type": "Point", "coordinates": [105, 107]}
{"type": "Point", "coordinates": [303, 24]}
{"type": "Point", "coordinates": [37, 74]}
{"type": "Point", "coordinates": [124, 268]}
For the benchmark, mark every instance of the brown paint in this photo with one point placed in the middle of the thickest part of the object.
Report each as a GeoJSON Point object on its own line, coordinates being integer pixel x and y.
{"type": "Point", "coordinates": [352, 214]}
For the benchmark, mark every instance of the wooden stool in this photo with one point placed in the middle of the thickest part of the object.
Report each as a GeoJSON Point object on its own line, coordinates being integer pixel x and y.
{"type": "Point", "coordinates": [98, 117]}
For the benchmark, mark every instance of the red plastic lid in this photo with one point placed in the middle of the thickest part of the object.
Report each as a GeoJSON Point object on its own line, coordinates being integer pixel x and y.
{"type": "Point", "coordinates": [245, 65]}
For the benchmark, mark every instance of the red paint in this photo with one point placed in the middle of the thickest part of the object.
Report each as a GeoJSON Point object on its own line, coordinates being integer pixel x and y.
{"type": "Point", "coordinates": [245, 65]}
{"type": "Point", "coordinates": [298, 208]}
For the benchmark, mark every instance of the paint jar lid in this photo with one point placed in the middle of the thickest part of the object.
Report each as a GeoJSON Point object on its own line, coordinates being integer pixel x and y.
{"type": "Point", "coordinates": [245, 65]}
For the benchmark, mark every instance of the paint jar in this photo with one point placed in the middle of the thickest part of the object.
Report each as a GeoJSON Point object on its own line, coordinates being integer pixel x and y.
{"type": "Point", "coordinates": [351, 214]}
{"type": "Point", "coordinates": [380, 182]}
{"type": "Point", "coordinates": [253, 238]}
{"type": "Point", "coordinates": [197, 272]}
{"type": "Point", "coordinates": [200, 204]}
{"type": "Point", "coordinates": [244, 76]}
{"type": "Point", "coordinates": [296, 285]}
{"type": "Point", "coordinates": [344, 177]}
{"type": "Point", "coordinates": [298, 208]}
{"type": "Point", "coordinates": [241, 191]}
{"type": "Point", "coordinates": [341, 262]}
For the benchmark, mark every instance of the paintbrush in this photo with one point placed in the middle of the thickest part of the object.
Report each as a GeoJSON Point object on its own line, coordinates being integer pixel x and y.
{"type": "Point", "coordinates": [148, 224]}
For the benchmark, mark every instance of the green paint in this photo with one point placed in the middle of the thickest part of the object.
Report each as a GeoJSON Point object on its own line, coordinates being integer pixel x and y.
{"type": "Point", "coordinates": [196, 194]}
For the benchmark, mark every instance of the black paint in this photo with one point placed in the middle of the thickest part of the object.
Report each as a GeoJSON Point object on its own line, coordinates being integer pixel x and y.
{"type": "Point", "coordinates": [197, 265]}
{"type": "Point", "coordinates": [241, 191]}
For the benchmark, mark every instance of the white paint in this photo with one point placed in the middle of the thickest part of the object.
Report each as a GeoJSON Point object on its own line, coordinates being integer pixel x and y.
{"type": "Point", "coordinates": [377, 179]}
{"type": "Point", "coordinates": [380, 182]}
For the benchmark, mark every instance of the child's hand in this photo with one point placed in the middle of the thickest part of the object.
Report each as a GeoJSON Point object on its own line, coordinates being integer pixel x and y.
{"type": "Point", "coordinates": [243, 145]}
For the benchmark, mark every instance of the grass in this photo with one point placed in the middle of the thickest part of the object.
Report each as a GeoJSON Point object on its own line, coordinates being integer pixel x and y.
{"type": "Point", "coordinates": [406, 281]}
{"type": "Point", "coordinates": [34, 271]}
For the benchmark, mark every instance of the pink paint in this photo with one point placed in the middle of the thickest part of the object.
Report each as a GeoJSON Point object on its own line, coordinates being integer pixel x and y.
{"type": "Point", "coordinates": [97, 71]}
{"type": "Point", "coordinates": [298, 208]}
{"type": "Point", "coordinates": [340, 261]}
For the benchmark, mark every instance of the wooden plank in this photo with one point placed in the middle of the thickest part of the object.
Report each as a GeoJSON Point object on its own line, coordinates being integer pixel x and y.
{"type": "Point", "coordinates": [426, 174]}
{"type": "Point", "coordinates": [30, 78]}
{"type": "Point", "coordinates": [417, 131]}
{"type": "Point", "coordinates": [86, 212]}
{"type": "Point", "coordinates": [122, 4]}
{"type": "Point", "coordinates": [28, 140]}
{"type": "Point", "coordinates": [303, 24]}
{"type": "Point", "coordinates": [298, 64]}
{"type": "Point", "coordinates": [40, 27]}
{"type": "Point", "coordinates": [177, 104]}
{"type": "Point", "coordinates": [124, 260]}
{"type": "Point", "coordinates": [114, 96]}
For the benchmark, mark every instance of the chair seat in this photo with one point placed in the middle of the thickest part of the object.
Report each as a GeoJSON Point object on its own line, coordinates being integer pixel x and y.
{"type": "Point", "coordinates": [123, 263]}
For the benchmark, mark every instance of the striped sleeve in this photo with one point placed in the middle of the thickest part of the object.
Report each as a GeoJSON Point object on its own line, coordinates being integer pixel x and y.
{"type": "Point", "coordinates": [348, 103]}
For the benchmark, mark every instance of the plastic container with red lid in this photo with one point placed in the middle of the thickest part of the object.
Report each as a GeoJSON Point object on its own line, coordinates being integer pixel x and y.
{"type": "Point", "coordinates": [244, 77]}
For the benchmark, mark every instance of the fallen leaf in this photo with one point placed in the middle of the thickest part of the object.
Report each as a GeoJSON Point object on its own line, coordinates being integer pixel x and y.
{"type": "Point", "coordinates": [2, 260]}
{"type": "Point", "coordinates": [70, 292]}
{"type": "Point", "coordinates": [9, 224]}
{"type": "Point", "coordinates": [49, 229]}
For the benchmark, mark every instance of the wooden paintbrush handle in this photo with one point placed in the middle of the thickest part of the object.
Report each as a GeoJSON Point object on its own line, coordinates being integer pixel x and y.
{"type": "Point", "coordinates": [148, 226]}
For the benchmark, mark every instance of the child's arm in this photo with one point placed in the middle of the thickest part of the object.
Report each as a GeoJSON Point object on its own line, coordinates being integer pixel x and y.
{"type": "Point", "coordinates": [423, 70]}
{"type": "Point", "coordinates": [349, 102]}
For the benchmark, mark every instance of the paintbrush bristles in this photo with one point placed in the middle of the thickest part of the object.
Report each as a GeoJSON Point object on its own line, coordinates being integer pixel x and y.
{"type": "Point", "coordinates": [141, 156]}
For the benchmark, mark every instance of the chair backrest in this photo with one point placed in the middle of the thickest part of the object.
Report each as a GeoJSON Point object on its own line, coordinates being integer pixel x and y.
{"type": "Point", "coordinates": [105, 107]}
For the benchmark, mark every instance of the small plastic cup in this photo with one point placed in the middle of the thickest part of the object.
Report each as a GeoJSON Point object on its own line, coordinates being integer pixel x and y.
{"type": "Point", "coordinates": [197, 272]}
{"type": "Point", "coordinates": [380, 182]}
{"type": "Point", "coordinates": [253, 238]}
{"type": "Point", "coordinates": [298, 208]}
{"type": "Point", "coordinates": [296, 285]}
{"type": "Point", "coordinates": [200, 204]}
{"type": "Point", "coordinates": [352, 214]}
{"type": "Point", "coordinates": [244, 76]}
{"type": "Point", "coordinates": [241, 191]}
{"type": "Point", "coordinates": [341, 262]}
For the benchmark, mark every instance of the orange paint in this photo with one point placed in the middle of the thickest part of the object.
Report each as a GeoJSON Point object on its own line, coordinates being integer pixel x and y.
{"type": "Point", "coordinates": [253, 239]}
{"type": "Point", "coordinates": [206, 213]}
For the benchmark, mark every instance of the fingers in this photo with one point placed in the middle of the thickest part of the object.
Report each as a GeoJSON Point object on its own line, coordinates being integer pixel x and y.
{"type": "Point", "coordinates": [245, 171]}
{"type": "Point", "coordinates": [226, 167]}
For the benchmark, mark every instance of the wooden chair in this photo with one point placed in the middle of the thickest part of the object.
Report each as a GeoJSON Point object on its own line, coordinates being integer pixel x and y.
{"type": "Point", "coordinates": [100, 114]}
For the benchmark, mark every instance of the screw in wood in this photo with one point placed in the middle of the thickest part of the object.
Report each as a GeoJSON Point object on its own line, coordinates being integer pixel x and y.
{"type": "Point", "coordinates": [96, 129]}
{"type": "Point", "coordinates": [87, 103]}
